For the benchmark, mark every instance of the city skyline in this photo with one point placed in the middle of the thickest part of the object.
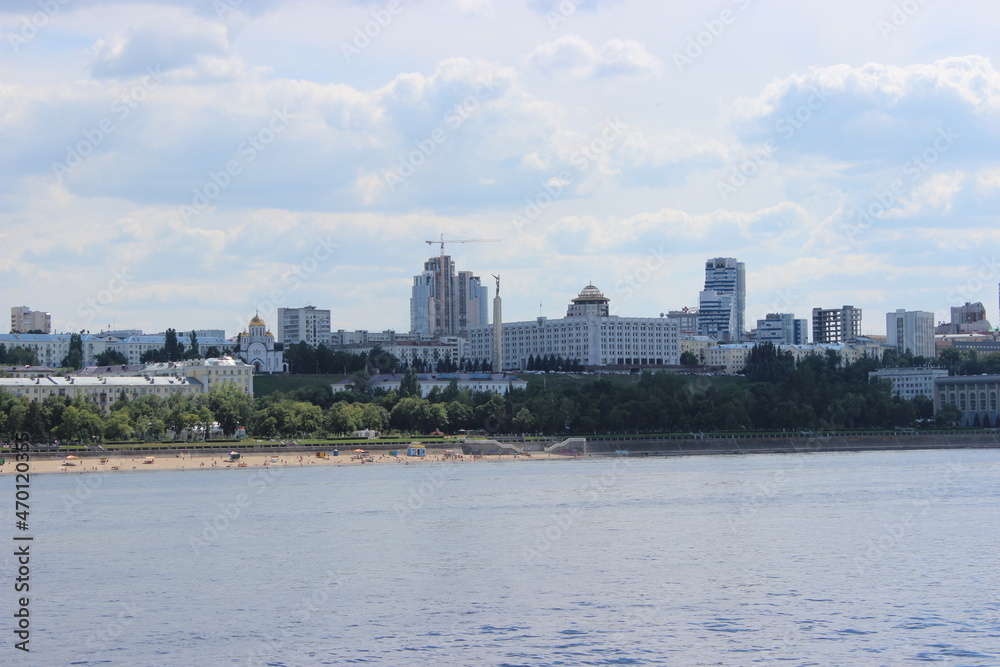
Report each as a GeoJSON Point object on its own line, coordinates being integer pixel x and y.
{"type": "Point", "coordinates": [191, 164]}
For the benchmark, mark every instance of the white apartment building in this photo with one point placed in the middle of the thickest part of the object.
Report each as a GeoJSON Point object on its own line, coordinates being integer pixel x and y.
{"type": "Point", "coordinates": [309, 324]}
{"type": "Point", "coordinates": [595, 339]}
{"type": "Point", "coordinates": [908, 383]}
{"type": "Point", "coordinates": [911, 330]}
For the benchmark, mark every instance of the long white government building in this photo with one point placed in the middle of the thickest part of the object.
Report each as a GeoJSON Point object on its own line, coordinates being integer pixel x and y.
{"type": "Point", "coordinates": [588, 334]}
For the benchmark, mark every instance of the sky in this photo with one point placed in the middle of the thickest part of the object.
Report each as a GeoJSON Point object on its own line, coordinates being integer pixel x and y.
{"type": "Point", "coordinates": [186, 164]}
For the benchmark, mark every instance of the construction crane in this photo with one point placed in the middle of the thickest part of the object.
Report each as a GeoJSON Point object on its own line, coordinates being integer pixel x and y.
{"type": "Point", "coordinates": [440, 293]}
{"type": "Point", "coordinates": [442, 241]}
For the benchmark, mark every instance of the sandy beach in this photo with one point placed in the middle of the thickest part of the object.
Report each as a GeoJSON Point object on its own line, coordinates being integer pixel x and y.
{"type": "Point", "coordinates": [47, 463]}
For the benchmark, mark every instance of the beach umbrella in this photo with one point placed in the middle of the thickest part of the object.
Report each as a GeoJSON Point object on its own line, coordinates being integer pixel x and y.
{"type": "Point", "coordinates": [71, 457]}
{"type": "Point", "coordinates": [360, 451]}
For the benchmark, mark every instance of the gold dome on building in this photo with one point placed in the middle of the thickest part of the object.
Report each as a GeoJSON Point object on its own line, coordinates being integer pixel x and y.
{"type": "Point", "coordinates": [257, 321]}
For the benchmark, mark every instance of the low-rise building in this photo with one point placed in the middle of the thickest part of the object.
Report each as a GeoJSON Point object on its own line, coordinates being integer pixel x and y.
{"type": "Point", "coordinates": [975, 396]}
{"type": "Point", "coordinates": [696, 345]}
{"type": "Point", "coordinates": [428, 353]}
{"type": "Point", "coordinates": [208, 372]}
{"type": "Point", "coordinates": [732, 357]}
{"type": "Point", "coordinates": [908, 383]}
{"type": "Point", "coordinates": [103, 391]}
{"type": "Point", "coordinates": [27, 371]}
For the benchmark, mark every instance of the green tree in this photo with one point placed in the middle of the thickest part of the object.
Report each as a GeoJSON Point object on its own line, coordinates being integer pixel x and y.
{"type": "Point", "coordinates": [23, 356]}
{"type": "Point", "coordinates": [230, 406]}
{"type": "Point", "coordinates": [118, 426]}
{"type": "Point", "coordinates": [689, 358]}
{"type": "Point", "coordinates": [408, 385]}
{"type": "Point", "coordinates": [948, 414]}
{"type": "Point", "coordinates": [193, 351]}
{"type": "Point", "coordinates": [74, 358]}
{"type": "Point", "coordinates": [110, 358]}
{"type": "Point", "coordinates": [171, 347]}
{"type": "Point", "coordinates": [524, 421]}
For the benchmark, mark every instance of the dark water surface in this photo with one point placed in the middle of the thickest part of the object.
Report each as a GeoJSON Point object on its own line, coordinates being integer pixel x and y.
{"type": "Point", "coordinates": [877, 558]}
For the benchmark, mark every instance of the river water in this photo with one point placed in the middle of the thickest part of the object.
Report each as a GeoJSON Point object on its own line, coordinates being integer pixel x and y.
{"type": "Point", "coordinates": [872, 558]}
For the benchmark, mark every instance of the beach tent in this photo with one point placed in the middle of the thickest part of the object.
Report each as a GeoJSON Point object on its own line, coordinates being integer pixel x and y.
{"type": "Point", "coordinates": [234, 456]}
{"type": "Point", "coordinates": [416, 449]}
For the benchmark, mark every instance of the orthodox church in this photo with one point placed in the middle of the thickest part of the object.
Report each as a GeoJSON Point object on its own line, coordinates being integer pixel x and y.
{"type": "Point", "coordinates": [257, 348]}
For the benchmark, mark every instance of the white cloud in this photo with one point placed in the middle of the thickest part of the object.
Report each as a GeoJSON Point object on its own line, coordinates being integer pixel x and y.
{"type": "Point", "coordinates": [877, 115]}
{"type": "Point", "coordinates": [170, 40]}
{"type": "Point", "coordinates": [573, 57]}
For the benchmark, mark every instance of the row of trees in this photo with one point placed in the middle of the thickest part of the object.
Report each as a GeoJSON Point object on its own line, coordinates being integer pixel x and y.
{"type": "Point", "coordinates": [17, 356]}
{"type": "Point", "coordinates": [307, 359]}
{"type": "Point", "coordinates": [174, 350]}
{"type": "Point", "coordinates": [775, 393]}
{"type": "Point", "coordinates": [143, 418]}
